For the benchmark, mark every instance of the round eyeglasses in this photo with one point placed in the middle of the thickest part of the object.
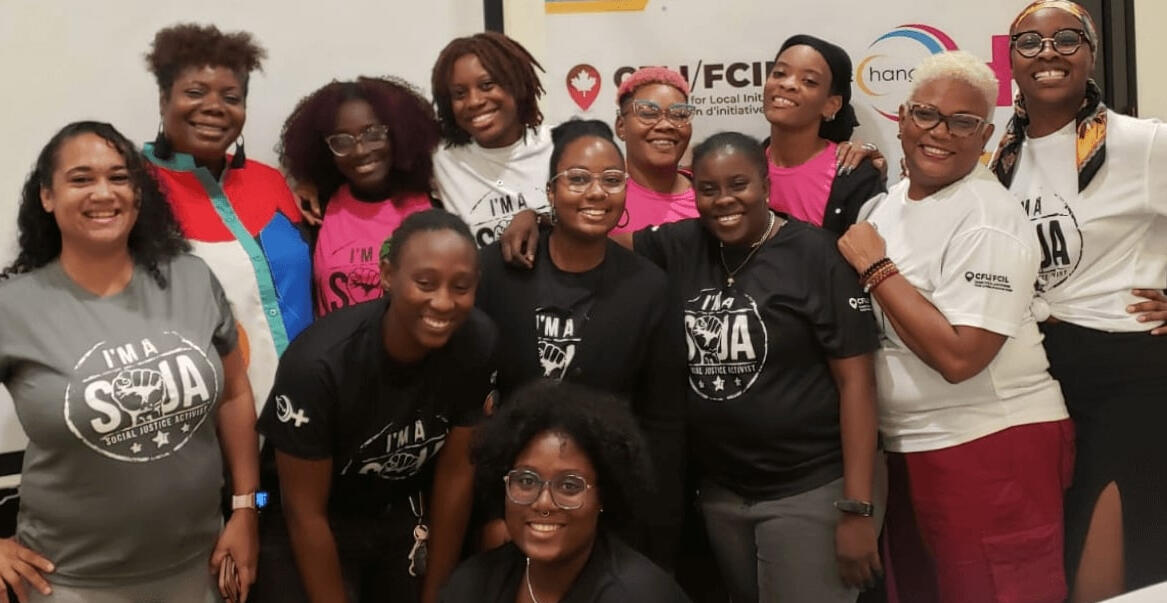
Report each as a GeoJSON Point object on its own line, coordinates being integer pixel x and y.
{"type": "Point", "coordinates": [1064, 41]}
{"type": "Point", "coordinates": [959, 125]}
{"type": "Point", "coordinates": [579, 180]}
{"type": "Point", "coordinates": [568, 490]}
{"type": "Point", "coordinates": [373, 136]}
{"type": "Point", "coordinates": [649, 113]}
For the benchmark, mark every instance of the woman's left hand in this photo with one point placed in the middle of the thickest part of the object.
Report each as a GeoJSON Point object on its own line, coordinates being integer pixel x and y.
{"type": "Point", "coordinates": [862, 246]}
{"type": "Point", "coordinates": [856, 551]}
{"type": "Point", "coordinates": [1150, 311]}
{"type": "Point", "coordinates": [850, 154]}
{"type": "Point", "coordinates": [240, 539]}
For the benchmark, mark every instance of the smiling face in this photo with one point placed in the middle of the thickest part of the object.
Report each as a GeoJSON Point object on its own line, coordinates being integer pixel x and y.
{"type": "Point", "coordinates": [732, 196]}
{"type": "Point", "coordinates": [1051, 79]}
{"type": "Point", "coordinates": [935, 157]}
{"type": "Point", "coordinates": [92, 196]}
{"type": "Point", "coordinates": [797, 94]}
{"type": "Point", "coordinates": [432, 290]}
{"type": "Point", "coordinates": [481, 106]}
{"type": "Point", "coordinates": [203, 112]}
{"type": "Point", "coordinates": [656, 145]}
{"type": "Point", "coordinates": [542, 530]}
{"type": "Point", "coordinates": [594, 212]}
{"type": "Point", "coordinates": [366, 167]}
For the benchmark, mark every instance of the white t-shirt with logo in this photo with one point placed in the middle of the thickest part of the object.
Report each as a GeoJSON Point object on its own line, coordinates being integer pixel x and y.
{"type": "Point", "coordinates": [970, 252]}
{"type": "Point", "coordinates": [487, 187]}
{"type": "Point", "coordinates": [1097, 245]}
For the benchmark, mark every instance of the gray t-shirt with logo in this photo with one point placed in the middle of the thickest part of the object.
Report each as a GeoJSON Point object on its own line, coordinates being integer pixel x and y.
{"type": "Point", "coordinates": [117, 394]}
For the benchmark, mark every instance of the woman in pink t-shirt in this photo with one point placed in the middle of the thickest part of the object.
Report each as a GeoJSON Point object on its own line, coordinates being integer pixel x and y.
{"type": "Point", "coordinates": [806, 99]}
{"type": "Point", "coordinates": [366, 146]}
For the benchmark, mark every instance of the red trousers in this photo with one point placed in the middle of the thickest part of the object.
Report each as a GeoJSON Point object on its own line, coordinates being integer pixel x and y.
{"type": "Point", "coordinates": [980, 522]}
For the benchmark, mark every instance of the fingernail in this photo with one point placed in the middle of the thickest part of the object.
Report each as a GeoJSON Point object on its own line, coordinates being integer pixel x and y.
{"type": "Point", "coordinates": [1130, 308]}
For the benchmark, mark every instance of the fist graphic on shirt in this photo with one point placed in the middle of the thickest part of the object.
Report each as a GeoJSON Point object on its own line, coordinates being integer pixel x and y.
{"type": "Point", "coordinates": [363, 282]}
{"type": "Point", "coordinates": [554, 359]}
{"type": "Point", "coordinates": [140, 394]}
{"type": "Point", "coordinates": [706, 331]}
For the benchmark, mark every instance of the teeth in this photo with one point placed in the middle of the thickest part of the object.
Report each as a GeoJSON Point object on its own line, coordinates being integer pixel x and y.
{"type": "Point", "coordinates": [593, 213]}
{"type": "Point", "coordinates": [936, 152]}
{"type": "Point", "coordinates": [434, 323]}
{"type": "Point", "coordinates": [782, 102]}
{"type": "Point", "coordinates": [101, 215]}
{"type": "Point", "coordinates": [483, 119]}
{"type": "Point", "coordinates": [1050, 74]}
{"type": "Point", "coordinates": [730, 219]}
{"type": "Point", "coordinates": [544, 527]}
{"type": "Point", "coordinates": [367, 168]}
{"type": "Point", "coordinates": [663, 144]}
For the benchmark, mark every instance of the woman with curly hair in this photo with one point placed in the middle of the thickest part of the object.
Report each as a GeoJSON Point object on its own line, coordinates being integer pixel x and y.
{"type": "Point", "coordinates": [366, 146]}
{"type": "Point", "coordinates": [238, 214]}
{"type": "Point", "coordinates": [566, 464]}
{"type": "Point", "coordinates": [116, 389]}
{"type": "Point", "coordinates": [494, 161]}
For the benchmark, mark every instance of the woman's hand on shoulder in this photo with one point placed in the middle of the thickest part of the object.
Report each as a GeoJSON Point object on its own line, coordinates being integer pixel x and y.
{"type": "Point", "coordinates": [521, 239]}
{"type": "Point", "coordinates": [1154, 309]}
{"type": "Point", "coordinates": [850, 154]}
{"type": "Point", "coordinates": [19, 565]}
{"type": "Point", "coordinates": [308, 200]}
{"type": "Point", "coordinates": [862, 246]}
{"type": "Point", "coordinates": [240, 540]}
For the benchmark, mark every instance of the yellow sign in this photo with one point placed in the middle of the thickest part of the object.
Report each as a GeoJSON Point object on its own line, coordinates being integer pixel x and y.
{"type": "Point", "coordinates": [559, 7]}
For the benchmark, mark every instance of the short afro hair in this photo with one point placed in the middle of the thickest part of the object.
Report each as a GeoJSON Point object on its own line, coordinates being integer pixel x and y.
{"type": "Point", "coordinates": [599, 423]}
{"type": "Point", "coordinates": [958, 65]}
{"type": "Point", "coordinates": [511, 65]}
{"type": "Point", "coordinates": [178, 47]}
{"type": "Point", "coordinates": [413, 134]}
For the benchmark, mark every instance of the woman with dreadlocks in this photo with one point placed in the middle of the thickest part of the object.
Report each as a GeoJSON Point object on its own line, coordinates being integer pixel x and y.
{"type": "Point", "coordinates": [1094, 184]}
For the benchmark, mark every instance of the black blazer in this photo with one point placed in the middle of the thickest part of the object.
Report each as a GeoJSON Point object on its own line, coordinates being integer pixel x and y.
{"type": "Point", "coordinates": [848, 194]}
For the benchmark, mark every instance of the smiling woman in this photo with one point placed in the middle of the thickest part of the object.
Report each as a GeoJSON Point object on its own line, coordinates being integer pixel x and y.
{"type": "Point", "coordinates": [238, 214]}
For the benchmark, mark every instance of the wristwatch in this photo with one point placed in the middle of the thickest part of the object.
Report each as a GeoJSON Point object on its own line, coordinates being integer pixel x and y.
{"type": "Point", "coordinates": [251, 500]}
{"type": "Point", "coordinates": [855, 507]}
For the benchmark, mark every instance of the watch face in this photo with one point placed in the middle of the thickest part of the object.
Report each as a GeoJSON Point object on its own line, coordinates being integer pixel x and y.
{"type": "Point", "coordinates": [260, 499]}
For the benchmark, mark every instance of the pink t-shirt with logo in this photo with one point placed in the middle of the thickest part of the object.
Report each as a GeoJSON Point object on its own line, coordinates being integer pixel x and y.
{"type": "Point", "coordinates": [345, 266]}
{"type": "Point", "coordinates": [802, 191]}
{"type": "Point", "coordinates": [647, 207]}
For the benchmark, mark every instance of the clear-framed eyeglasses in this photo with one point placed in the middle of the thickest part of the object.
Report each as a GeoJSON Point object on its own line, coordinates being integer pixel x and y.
{"type": "Point", "coordinates": [649, 113]}
{"type": "Point", "coordinates": [373, 136]}
{"type": "Point", "coordinates": [579, 180]}
{"type": "Point", "coordinates": [568, 490]}
{"type": "Point", "coordinates": [1065, 42]}
{"type": "Point", "coordinates": [959, 125]}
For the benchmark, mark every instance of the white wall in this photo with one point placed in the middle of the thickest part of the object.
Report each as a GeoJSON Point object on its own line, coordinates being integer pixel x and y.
{"type": "Point", "coordinates": [1151, 48]}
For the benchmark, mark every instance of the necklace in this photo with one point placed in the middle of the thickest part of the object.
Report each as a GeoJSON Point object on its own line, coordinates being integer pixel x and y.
{"type": "Point", "coordinates": [729, 274]}
{"type": "Point", "coordinates": [530, 589]}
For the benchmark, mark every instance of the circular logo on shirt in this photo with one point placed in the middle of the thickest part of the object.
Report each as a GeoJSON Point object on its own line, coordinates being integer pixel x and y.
{"type": "Point", "coordinates": [726, 342]}
{"type": "Point", "coordinates": [140, 400]}
{"type": "Point", "coordinates": [1058, 235]}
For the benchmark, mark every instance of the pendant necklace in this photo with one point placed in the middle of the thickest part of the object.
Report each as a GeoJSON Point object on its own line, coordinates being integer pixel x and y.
{"type": "Point", "coordinates": [530, 589]}
{"type": "Point", "coordinates": [729, 274]}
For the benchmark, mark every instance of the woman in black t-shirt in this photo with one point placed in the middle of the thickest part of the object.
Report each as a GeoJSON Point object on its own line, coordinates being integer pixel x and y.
{"type": "Point", "coordinates": [782, 403]}
{"type": "Point", "coordinates": [594, 313]}
{"type": "Point", "coordinates": [567, 463]}
{"type": "Point", "coordinates": [372, 409]}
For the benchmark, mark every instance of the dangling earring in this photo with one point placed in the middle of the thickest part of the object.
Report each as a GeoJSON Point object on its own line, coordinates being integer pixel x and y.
{"type": "Point", "coordinates": [830, 117]}
{"type": "Point", "coordinates": [162, 148]}
{"type": "Point", "coordinates": [554, 215]}
{"type": "Point", "coordinates": [240, 158]}
{"type": "Point", "coordinates": [625, 218]}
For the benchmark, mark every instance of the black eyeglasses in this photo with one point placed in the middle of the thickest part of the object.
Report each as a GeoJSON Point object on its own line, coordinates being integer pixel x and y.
{"type": "Point", "coordinates": [568, 490]}
{"type": "Point", "coordinates": [1065, 42]}
{"type": "Point", "coordinates": [959, 125]}
{"type": "Point", "coordinates": [344, 144]}
{"type": "Point", "coordinates": [649, 113]}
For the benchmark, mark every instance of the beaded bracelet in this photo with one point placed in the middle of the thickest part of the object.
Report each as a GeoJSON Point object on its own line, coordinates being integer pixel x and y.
{"type": "Point", "coordinates": [880, 263]}
{"type": "Point", "coordinates": [881, 275]}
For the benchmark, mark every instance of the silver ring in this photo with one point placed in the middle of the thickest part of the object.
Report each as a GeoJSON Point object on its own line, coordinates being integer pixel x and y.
{"type": "Point", "coordinates": [874, 226]}
{"type": "Point", "coordinates": [870, 147]}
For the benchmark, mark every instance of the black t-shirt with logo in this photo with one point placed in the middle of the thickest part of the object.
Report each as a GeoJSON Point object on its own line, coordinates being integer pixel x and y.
{"type": "Point", "coordinates": [563, 303]}
{"type": "Point", "coordinates": [338, 395]}
{"type": "Point", "coordinates": [764, 408]}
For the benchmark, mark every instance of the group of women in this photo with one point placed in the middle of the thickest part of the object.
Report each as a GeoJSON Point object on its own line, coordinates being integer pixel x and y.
{"type": "Point", "coordinates": [588, 339]}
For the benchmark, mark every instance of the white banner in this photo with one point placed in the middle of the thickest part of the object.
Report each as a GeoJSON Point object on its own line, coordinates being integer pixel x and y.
{"type": "Point", "coordinates": [725, 50]}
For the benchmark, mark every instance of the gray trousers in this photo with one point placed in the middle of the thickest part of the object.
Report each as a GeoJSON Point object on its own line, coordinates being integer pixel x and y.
{"type": "Point", "coordinates": [781, 551]}
{"type": "Point", "coordinates": [192, 584]}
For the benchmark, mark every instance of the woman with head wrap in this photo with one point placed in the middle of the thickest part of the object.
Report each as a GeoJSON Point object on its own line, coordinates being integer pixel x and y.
{"type": "Point", "coordinates": [807, 100]}
{"type": "Point", "coordinates": [1094, 184]}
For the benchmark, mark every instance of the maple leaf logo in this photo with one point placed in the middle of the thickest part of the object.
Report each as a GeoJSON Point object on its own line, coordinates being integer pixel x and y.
{"type": "Point", "coordinates": [583, 81]}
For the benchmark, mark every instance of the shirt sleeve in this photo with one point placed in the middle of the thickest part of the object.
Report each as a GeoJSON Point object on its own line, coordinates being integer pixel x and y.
{"type": "Point", "coordinates": [1157, 171]}
{"type": "Point", "coordinates": [298, 417]}
{"type": "Point", "coordinates": [843, 321]}
{"type": "Point", "coordinates": [986, 281]}
{"type": "Point", "coordinates": [226, 335]}
{"type": "Point", "coordinates": [658, 244]}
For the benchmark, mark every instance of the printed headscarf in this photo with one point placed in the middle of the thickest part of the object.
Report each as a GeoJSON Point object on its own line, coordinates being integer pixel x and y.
{"type": "Point", "coordinates": [1090, 121]}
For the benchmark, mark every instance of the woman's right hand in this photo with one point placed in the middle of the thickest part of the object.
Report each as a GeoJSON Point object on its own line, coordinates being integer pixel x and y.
{"type": "Point", "coordinates": [308, 200]}
{"type": "Point", "coordinates": [19, 565]}
{"type": "Point", "coordinates": [521, 239]}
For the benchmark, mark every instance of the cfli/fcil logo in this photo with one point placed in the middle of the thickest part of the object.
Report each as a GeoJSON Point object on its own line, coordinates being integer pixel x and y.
{"type": "Point", "coordinates": [885, 75]}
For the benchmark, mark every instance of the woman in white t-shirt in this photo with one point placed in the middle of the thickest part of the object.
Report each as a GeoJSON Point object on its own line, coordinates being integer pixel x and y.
{"type": "Point", "coordinates": [1094, 185]}
{"type": "Point", "coordinates": [979, 440]}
